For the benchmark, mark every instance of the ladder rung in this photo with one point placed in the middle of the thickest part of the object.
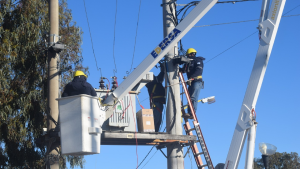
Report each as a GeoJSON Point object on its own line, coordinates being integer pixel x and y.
{"type": "Point", "coordinates": [190, 129]}
{"type": "Point", "coordinates": [205, 165]}
{"type": "Point", "coordinates": [198, 154]}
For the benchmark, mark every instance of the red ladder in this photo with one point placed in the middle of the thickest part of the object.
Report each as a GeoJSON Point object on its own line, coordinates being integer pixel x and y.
{"type": "Point", "coordinates": [197, 128]}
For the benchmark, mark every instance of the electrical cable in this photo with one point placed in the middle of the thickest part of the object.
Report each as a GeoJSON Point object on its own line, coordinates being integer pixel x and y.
{"type": "Point", "coordinates": [139, 101]}
{"type": "Point", "coordinates": [238, 22]}
{"type": "Point", "coordinates": [175, 110]}
{"type": "Point", "coordinates": [125, 108]}
{"type": "Point", "coordinates": [91, 37]}
{"type": "Point", "coordinates": [225, 23]}
{"type": "Point", "coordinates": [194, 3]}
{"type": "Point", "coordinates": [165, 110]}
{"type": "Point", "coordinates": [291, 10]}
{"type": "Point", "coordinates": [115, 70]}
{"type": "Point", "coordinates": [137, 26]}
{"type": "Point", "coordinates": [250, 36]}
{"type": "Point", "coordinates": [144, 99]}
{"type": "Point", "coordinates": [190, 159]}
{"type": "Point", "coordinates": [146, 156]}
{"type": "Point", "coordinates": [150, 158]}
{"type": "Point", "coordinates": [173, 15]}
{"type": "Point", "coordinates": [231, 47]}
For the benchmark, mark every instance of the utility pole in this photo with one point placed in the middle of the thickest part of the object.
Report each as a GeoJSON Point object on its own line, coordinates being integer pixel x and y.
{"type": "Point", "coordinates": [53, 78]}
{"type": "Point", "coordinates": [173, 112]}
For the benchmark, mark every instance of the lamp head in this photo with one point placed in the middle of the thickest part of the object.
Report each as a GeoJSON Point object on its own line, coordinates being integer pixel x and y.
{"type": "Point", "coordinates": [209, 100]}
{"type": "Point", "coordinates": [267, 149]}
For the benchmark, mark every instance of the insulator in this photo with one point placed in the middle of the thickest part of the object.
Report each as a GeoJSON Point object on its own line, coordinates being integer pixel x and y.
{"type": "Point", "coordinates": [102, 86]}
{"type": "Point", "coordinates": [114, 83]}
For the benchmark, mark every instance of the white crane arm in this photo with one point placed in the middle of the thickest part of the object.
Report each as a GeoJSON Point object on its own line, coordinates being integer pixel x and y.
{"type": "Point", "coordinates": [268, 28]}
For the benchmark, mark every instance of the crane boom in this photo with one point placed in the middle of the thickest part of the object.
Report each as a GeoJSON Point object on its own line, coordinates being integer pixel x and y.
{"type": "Point", "coordinates": [268, 29]}
{"type": "Point", "coordinates": [161, 50]}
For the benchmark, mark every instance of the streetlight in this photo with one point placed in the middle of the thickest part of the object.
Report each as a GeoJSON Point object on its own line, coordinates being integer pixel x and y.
{"type": "Point", "coordinates": [209, 100]}
{"type": "Point", "coordinates": [266, 149]}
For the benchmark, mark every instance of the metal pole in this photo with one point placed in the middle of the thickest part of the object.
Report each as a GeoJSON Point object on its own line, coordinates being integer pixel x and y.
{"type": "Point", "coordinates": [173, 111]}
{"type": "Point", "coordinates": [250, 147]}
{"type": "Point", "coordinates": [52, 119]}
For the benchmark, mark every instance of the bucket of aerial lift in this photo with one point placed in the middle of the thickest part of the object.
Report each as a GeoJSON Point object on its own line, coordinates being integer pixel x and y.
{"type": "Point", "coordinates": [81, 118]}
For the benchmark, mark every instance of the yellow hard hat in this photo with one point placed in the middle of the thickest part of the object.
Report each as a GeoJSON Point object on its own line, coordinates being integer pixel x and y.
{"type": "Point", "coordinates": [79, 73]}
{"type": "Point", "coordinates": [191, 50]}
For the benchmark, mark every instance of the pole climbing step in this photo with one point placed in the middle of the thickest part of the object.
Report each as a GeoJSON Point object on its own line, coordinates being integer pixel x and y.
{"type": "Point", "coordinates": [197, 128]}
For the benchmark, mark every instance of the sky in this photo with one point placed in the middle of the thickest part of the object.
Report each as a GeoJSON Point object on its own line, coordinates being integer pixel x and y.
{"type": "Point", "coordinates": [118, 49]}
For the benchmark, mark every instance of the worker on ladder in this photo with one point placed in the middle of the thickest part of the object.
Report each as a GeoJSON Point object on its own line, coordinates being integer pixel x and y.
{"type": "Point", "coordinates": [79, 86]}
{"type": "Point", "coordinates": [194, 70]}
{"type": "Point", "coordinates": [157, 96]}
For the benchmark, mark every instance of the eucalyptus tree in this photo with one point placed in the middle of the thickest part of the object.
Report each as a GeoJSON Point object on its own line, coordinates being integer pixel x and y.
{"type": "Point", "coordinates": [24, 29]}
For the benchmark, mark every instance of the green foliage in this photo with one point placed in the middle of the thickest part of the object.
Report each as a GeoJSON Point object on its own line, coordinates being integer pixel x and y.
{"type": "Point", "coordinates": [280, 161]}
{"type": "Point", "coordinates": [24, 25]}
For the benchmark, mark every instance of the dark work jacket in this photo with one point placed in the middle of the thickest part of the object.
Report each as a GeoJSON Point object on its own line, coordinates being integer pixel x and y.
{"type": "Point", "coordinates": [78, 86]}
{"type": "Point", "coordinates": [194, 68]}
{"type": "Point", "coordinates": [159, 89]}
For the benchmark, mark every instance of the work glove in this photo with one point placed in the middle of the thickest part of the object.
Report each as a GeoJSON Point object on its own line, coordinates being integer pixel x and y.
{"type": "Point", "coordinates": [189, 82]}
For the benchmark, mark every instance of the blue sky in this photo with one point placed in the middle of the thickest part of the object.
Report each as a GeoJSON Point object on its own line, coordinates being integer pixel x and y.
{"type": "Point", "coordinates": [226, 76]}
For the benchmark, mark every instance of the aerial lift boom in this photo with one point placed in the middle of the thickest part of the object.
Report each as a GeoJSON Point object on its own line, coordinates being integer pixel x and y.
{"type": "Point", "coordinates": [269, 22]}
{"type": "Point", "coordinates": [161, 50]}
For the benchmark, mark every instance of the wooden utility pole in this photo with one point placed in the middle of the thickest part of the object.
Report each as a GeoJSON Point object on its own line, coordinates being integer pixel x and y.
{"type": "Point", "coordinates": [173, 112]}
{"type": "Point", "coordinates": [52, 113]}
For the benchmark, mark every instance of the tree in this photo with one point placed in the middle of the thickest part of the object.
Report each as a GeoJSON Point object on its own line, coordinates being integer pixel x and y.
{"type": "Point", "coordinates": [280, 161]}
{"type": "Point", "coordinates": [24, 26]}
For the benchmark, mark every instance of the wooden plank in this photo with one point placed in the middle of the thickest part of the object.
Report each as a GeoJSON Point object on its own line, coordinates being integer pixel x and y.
{"type": "Point", "coordinates": [132, 138]}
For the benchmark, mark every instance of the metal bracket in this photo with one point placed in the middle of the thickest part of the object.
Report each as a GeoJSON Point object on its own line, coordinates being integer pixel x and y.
{"type": "Point", "coordinates": [159, 147]}
{"type": "Point", "coordinates": [54, 40]}
{"type": "Point", "coordinates": [57, 47]}
{"type": "Point", "coordinates": [188, 150]}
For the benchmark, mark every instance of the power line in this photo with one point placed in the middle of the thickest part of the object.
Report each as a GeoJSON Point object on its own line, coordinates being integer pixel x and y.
{"type": "Point", "coordinates": [150, 158]}
{"type": "Point", "coordinates": [291, 10]}
{"type": "Point", "coordinates": [232, 46]}
{"type": "Point", "coordinates": [91, 37]}
{"type": "Point", "coordinates": [252, 34]}
{"type": "Point", "coordinates": [225, 23]}
{"type": "Point", "coordinates": [238, 22]}
{"type": "Point", "coordinates": [145, 157]}
{"type": "Point", "coordinates": [137, 26]}
{"type": "Point", "coordinates": [115, 70]}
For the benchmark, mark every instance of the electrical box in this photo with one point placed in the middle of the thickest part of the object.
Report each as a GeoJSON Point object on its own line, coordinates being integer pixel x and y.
{"type": "Point", "coordinates": [81, 119]}
{"type": "Point", "coordinates": [122, 115]}
{"type": "Point", "coordinates": [145, 120]}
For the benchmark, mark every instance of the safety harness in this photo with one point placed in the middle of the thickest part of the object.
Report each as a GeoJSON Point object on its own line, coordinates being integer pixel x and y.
{"type": "Point", "coordinates": [151, 97]}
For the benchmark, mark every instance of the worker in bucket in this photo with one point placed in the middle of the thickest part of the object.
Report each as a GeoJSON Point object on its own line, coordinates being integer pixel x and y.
{"type": "Point", "coordinates": [157, 96]}
{"type": "Point", "coordinates": [194, 70]}
{"type": "Point", "coordinates": [79, 86]}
